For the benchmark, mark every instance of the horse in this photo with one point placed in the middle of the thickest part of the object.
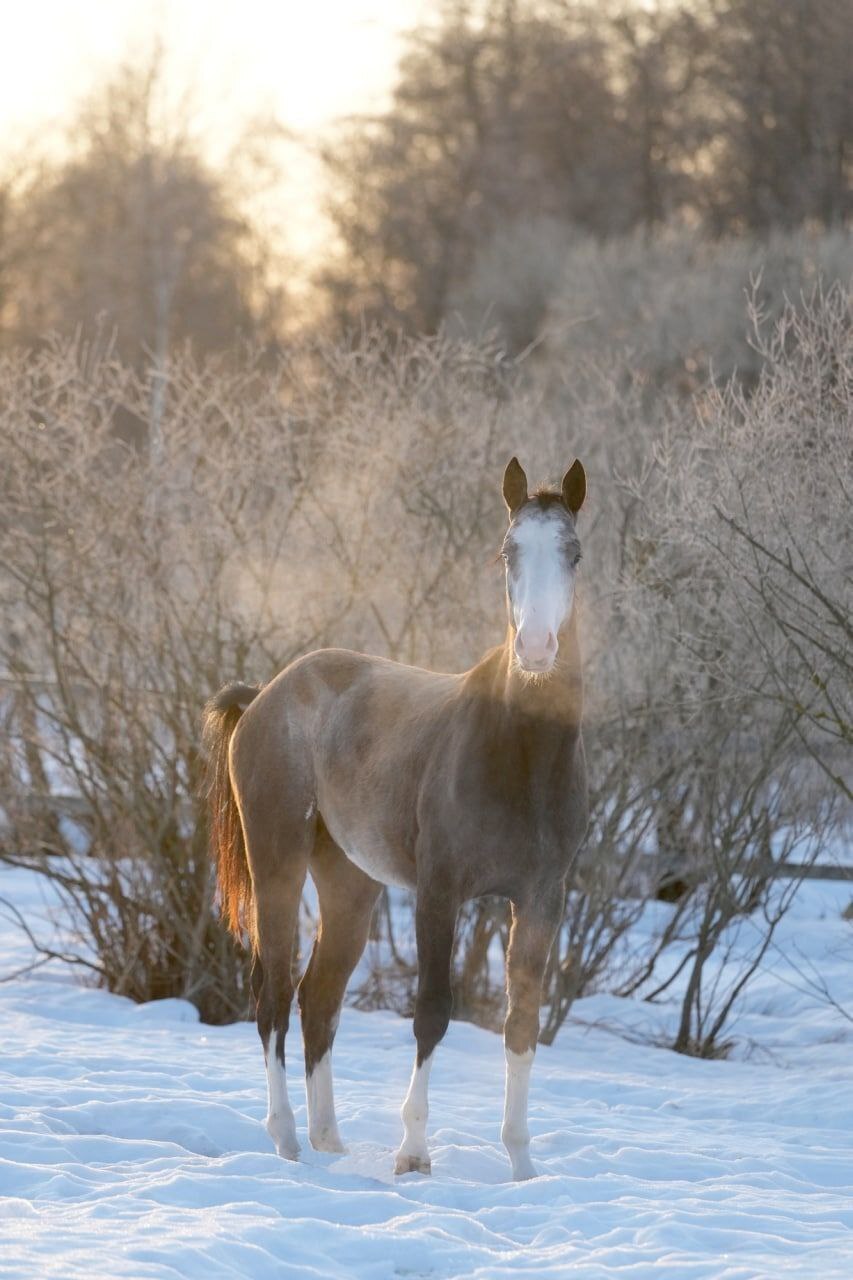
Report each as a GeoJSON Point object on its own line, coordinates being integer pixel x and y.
{"type": "Point", "coordinates": [363, 772]}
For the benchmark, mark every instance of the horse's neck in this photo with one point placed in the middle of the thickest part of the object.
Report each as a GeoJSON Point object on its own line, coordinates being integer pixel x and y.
{"type": "Point", "coordinates": [557, 699]}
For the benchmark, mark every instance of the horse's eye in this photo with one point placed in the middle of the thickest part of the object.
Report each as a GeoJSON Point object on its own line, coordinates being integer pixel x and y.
{"type": "Point", "coordinates": [577, 560]}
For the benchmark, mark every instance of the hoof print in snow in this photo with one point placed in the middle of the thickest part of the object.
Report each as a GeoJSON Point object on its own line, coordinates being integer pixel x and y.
{"type": "Point", "coordinates": [412, 1164]}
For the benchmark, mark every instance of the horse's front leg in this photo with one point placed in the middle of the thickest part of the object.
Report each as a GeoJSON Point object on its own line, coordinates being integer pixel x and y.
{"type": "Point", "coordinates": [346, 898]}
{"type": "Point", "coordinates": [534, 923]}
{"type": "Point", "coordinates": [435, 922]}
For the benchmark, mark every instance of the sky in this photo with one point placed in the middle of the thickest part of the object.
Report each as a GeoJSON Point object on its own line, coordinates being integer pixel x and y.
{"type": "Point", "coordinates": [306, 63]}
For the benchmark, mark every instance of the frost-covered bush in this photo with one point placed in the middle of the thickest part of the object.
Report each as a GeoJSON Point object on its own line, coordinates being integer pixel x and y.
{"type": "Point", "coordinates": [670, 307]}
{"type": "Point", "coordinates": [512, 282]}
{"type": "Point", "coordinates": [741, 583]}
{"type": "Point", "coordinates": [349, 495]}
{"type": "Point", "coordinates": [674, 305]}
{"type": "Point", "coordinates": [342, 495]}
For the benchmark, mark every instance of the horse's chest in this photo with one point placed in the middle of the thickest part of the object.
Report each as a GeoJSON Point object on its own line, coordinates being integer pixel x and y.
{"type": "Point", "coordinates": [513, 812]}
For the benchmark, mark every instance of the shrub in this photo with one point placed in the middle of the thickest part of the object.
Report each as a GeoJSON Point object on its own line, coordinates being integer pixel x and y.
{"type": "Point", "coordinates": [348, 494]}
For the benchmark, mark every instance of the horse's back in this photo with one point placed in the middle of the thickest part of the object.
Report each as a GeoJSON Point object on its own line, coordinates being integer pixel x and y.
{"type": "Point", "coordinates": [327, 688]}
{"type": "Point", "coordinates": [352, 733]}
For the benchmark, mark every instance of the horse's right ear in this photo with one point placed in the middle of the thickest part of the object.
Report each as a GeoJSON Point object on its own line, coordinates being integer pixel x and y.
{"type": "Point", "coordinates": [515, 485]}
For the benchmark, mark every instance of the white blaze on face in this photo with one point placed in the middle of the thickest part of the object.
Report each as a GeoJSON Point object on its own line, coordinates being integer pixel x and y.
{"type": "Point", "coordinates": [541, 583]}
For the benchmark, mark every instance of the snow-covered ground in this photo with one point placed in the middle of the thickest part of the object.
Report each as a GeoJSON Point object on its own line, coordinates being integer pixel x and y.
{"type": "Point", "coordinates": [132, 1144]}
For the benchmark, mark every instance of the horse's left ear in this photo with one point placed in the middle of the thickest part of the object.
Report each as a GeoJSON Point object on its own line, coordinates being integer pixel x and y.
{"type": "Point", "coordinates": [574, 487]}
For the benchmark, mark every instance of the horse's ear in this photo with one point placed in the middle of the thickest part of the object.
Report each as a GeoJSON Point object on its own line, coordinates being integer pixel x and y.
{"type": "Point", "coordinates": [515, 485]}
{"type": "Point", "coordinates": [574, 487]}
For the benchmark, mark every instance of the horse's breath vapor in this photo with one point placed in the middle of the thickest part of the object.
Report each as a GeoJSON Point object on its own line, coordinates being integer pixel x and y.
{"type": "Point", "coordinates": [362, 772]}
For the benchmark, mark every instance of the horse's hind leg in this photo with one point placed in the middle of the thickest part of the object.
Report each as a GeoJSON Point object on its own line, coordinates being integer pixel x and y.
{"type": "Point", "coordinates": [278, 845]}
{"type": "Point", "coordinates": [347, 897]}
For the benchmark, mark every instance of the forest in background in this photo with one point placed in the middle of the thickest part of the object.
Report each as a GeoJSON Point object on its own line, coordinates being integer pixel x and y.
{"type": "Point", "coordinates": [515, 130]}
{"type": "Point", "coordinates": [592, 230]}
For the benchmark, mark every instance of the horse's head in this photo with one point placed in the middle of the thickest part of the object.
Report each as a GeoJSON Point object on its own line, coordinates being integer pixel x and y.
{"type": "Point", "coordinates": [541, 552]}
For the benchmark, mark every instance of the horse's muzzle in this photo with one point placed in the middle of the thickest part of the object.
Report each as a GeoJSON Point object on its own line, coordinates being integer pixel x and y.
{"type": "Point", "coordinates": [535, 652]}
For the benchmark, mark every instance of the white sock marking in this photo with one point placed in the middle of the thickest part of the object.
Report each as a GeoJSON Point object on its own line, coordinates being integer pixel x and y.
{"type": "Point", "coordinates": [515, 1134]}
{"type": "Point", "coordinates": [322, 1124]}
{"type": "Point", "coordinates": [281, 1125]}
{"type": "Point", "coordinates": [415, 1112]}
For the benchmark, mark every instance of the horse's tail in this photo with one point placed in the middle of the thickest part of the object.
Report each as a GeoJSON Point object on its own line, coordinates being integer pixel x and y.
{"type": "Point", "coordinates": [227, 844]}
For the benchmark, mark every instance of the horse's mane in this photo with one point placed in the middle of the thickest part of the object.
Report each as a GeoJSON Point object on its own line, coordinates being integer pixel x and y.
{"type": "Point", "coordinates": [547, 498]}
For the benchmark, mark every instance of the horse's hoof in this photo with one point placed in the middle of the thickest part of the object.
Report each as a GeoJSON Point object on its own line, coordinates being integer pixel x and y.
{"type": "Point", "coordinates": [288, 1153]}
{"type": "Point", "coordinates": [329, 1142]}
{"type": "Point", "coordinates": [285, 1143]}
{"type": "Point", "coordinates": [281, 1128]}
{"type": "Point", "coordinates": [412, 1164]}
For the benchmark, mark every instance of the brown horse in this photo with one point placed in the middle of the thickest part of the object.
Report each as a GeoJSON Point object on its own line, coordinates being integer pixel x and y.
{"type": "Point", "coordinates": [364, 772]}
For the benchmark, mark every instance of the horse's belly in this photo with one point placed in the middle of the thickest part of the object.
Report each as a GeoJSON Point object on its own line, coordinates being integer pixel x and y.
{"type": "Point", "coordinates": [371, 852]}
{"type": "Point", "coordinates": [380, 863]}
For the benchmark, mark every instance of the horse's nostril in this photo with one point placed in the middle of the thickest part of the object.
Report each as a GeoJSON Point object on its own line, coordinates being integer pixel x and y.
{"type": "Point", "coordinates": [551, 643]}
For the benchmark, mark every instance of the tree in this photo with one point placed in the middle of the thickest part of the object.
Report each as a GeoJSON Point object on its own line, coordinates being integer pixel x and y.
{"type": "Point", "coordinates": [492, 119]}
{"type": "Point", "coordinates": [784, 85]}
{"type": "Point", "coordinates": [133, 230]}
{"type": "Point", "coordinates": [515, 120]}
{"type": "Point", "coordinates": [661, 61]}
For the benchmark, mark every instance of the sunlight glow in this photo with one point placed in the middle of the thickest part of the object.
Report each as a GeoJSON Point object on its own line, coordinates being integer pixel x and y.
{"type": "Point", "coordinates": [305, 64]}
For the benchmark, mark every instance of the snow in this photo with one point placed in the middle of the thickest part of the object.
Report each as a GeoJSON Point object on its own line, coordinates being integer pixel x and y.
{"type": "Point", "coordinates": [132, 1140]}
